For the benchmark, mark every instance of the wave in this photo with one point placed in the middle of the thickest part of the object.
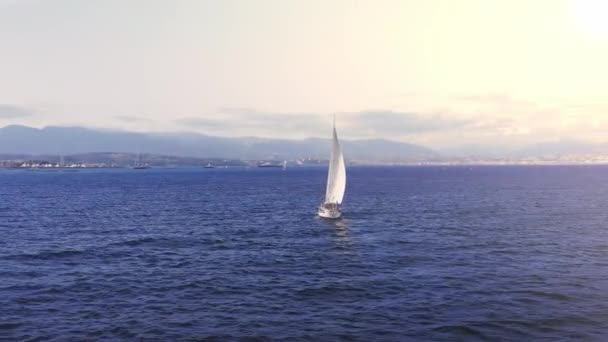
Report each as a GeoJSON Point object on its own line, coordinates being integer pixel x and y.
{"type": "Point", "coordinates": [135, 242]}
{"type": "Point", "coordinates": [10, 325]}
{"type": "Point", "coordinates": [544, 294]}
{"type": "Point", "coordinates": [46, 255]}
{"type": "Point", "coordinates": [461, 330]}
{"type": "Point", "coordinates": [329, 290]}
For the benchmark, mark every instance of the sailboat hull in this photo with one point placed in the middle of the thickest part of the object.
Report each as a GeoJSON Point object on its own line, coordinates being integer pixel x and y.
{"type": "Point", "coordinates": [329, 213]}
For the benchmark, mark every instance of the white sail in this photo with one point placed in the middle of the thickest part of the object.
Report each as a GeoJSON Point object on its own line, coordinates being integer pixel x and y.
{"type": "Point", "coordinates": [336, 176]}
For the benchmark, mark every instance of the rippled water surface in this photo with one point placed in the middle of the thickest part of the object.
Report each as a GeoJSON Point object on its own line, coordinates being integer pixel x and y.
{"type": "Point", "coordinates": [423, 253]}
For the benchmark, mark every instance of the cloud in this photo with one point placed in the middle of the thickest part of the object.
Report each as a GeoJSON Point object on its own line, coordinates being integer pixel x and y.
{"type": "Point", "coordinates": [363, 124]}
{"type": "Point", "coordinates": [251, 118]}
{"type": "Point", "coordinates": [498, 99]}
{"type": "Point", "coordinates": [386, 122]}
{"type": "Point", "coordinates": [203, 123]}
{"type": "Point", "coordinates": [131, 119]}
{"type": "Point", "coordinates": [8, 2]}
{"type": "Point", "coordinates": [13, 112]}
{"type": "Point", "coordinates": [254, 122]}
{"type": "Point", "coordinates": [477, 119]}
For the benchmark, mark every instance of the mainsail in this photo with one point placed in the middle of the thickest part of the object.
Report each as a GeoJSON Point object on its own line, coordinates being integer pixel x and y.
{"type": "Point", "coordinates": [336, 176]}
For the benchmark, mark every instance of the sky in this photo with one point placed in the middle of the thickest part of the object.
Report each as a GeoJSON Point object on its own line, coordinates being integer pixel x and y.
{"type": "Point", "coordinates": [433, 72]}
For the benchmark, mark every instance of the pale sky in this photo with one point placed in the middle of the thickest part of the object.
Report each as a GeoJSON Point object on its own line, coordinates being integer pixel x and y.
{"type": "Point", "coordinates": [438, 73]}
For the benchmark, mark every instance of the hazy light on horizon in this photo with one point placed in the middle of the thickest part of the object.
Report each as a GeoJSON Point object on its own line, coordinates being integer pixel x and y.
{"type": "Point", "coordinates": [432, 72]}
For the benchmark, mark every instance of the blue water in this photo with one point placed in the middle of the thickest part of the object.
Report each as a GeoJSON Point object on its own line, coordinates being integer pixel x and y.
{"type": "Point", "coordinates": [423, 253]}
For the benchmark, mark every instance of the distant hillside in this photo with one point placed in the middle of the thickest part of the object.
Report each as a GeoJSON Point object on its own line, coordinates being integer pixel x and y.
{"type": "Point", "coordinates": [561, 148]}
{"type": "Point", "coordinates": [77, 140]}
{"type": "Point", "coordinates": [548, 150]}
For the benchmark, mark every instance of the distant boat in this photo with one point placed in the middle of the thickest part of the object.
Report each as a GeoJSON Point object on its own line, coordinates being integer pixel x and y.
{"type": "Point", "coordinates": [336, 181]}
{"type": "Point", "coordinates": [269, 164]}
{"type": "Point", "coordinates": [209, 166]}
{"type": "Point", "coordinates": [284, 164]}
{"type": "Point", "coordinates": [138, 164]}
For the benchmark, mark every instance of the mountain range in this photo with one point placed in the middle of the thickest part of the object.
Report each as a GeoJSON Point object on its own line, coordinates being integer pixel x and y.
{"type": "Point", "coordinates": [55, 140]}
{"type": "Point", "coordinates": [25, 140]}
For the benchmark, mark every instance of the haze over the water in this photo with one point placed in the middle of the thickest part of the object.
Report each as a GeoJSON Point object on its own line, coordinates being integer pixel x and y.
{"type": "Point", "coordinates": [437, 73]}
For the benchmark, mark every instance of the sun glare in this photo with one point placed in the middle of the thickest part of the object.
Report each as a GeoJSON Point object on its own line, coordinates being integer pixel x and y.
{"type": "Point", "coordinates": [592, 16]}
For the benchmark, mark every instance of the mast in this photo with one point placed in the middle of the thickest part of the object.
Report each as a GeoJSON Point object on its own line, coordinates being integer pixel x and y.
{"type": "Point", "coordinates": [138, 158]}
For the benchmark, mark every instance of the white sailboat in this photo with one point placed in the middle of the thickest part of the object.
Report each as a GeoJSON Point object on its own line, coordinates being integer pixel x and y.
{"type": "Point", "coordinates": [138, 164]}
{"type": "Point", "coordinates": [336, 181]}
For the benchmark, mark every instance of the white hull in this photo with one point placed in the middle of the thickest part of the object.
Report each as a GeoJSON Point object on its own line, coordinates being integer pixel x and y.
{"type": "Point", "coordinates": [329, 213]}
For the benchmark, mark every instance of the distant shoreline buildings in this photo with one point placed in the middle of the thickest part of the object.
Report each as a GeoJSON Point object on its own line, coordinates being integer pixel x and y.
{"type": "Point", "coordinates": [115, 160]}
{"type": "Point", "coordinates": [120, 160]}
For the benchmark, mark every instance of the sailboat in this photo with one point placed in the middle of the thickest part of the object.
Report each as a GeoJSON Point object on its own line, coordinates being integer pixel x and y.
{"type": "Point", "coordinates": [138, 164]}
{"type": "Point", "coordinates": [336, 181]}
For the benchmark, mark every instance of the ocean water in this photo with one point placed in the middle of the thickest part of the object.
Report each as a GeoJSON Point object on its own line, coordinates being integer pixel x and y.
{"type": "Point", "coordinates": [423, 253]}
